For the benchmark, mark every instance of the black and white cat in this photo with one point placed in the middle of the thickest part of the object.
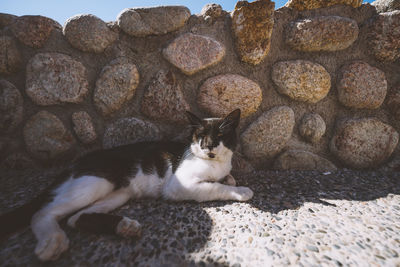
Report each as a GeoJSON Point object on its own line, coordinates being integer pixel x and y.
{"type": "Point", "coordinates": [103, 180]}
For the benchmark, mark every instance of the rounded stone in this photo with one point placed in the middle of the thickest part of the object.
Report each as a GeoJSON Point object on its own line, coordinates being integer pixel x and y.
{"type": "Point", "coordinates": [252, 25]}
{"type": "Point", "coordinates": [361, 86]}
{"type": "Point", "coordinates": [53, 78]}
{"type": "Point", "coordinates": [327, 33]}
{"type": "Point", "coordinates": [302, 161]}
{"type": "Point", "coordinates": [88, 33]}
{"type": "Point", "coordinates": [314, 4]}
{"type": "Point", "coordinates": [83, 127]}
{"type": "Point", "coordinates": [11, 107]}
{"type": "Point", "coordinates": [33, 31]}
{"type": "Point", "coordinates": [164, 100]}
{"type": "Point", "coordinates": [211, 10]}
{"type": "Point", "coordinates": [364, 143]}
{"type": "Point", "coordinates": [221, 94]}
{"type": "Point", "coordinates": [393, 102]}
{"type": "Point", "coordinates": [301, 80]}
{"type": "Point", "coordinates": [116, 85]}
{"type": "Point", "coordinates": [128, 131]}
{"type": "Point", "coordinates": [46, 136]}
{"type": "Point", "coordinates": [384, 36]}
{"type": "Point", "coordinates": [386, 5]}
{"type": "Point", "coordinates": [10, 58]}
{"type": "Point", "coordinates": [191, 52]}
{"type": "Point", "coordinates": [141, 22]}
{"type": "Point", "coordinates": [312, 127]}
{"type": "Point", "coordinates": [268, 134]}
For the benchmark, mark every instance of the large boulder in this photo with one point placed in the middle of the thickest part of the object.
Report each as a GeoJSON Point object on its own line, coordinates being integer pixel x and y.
{"type": "Point", "coordinates": [302, 161]}
{"type": "Point", "coordinates": [88, 33]}
{"type": "Point", "coordinates": [386, 5]}
{"type": "Point", "coordinates": [152, 20]}
{"type": "Point", "coordinates": [268, 134]}
{"type": "Point", "coordinates": [116, 85]}
{"type": "Point", "coordinates": [11, 107]}
{"type": "Point", "coordinates": [252, 25]}
{"type": "Point", "coordinates": [364, 143]}
{"type": "Point", "coordinates": [192, 52]}
{"type": "Point", "coordinates": [314, 4]}
{"type": "Point", "coordinates": [326, 33]}
{"type": "Point", "coordinates": [361, 86]}
{"type": "Point", "coordinates": [53, 78]}
{"type": "Point", "coordinates": [221, 94]}
{"type": "Point", "coordinates": [301, 80]}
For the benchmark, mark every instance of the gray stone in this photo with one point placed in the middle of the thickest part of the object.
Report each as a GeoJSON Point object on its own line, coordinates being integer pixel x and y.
{"type": "Point", "coordinates": [83, 127]}
{"type": "Point", "coordinates": [301, 80]}
{"type": "Point", "coordinates": [46, 136]}
{"type": "Point", "coordinates": [222, 94]}
{"type": "Point", "coordinates": [268, 135]}
{"type": "Point", "coordinates": [314, 4]}
{"type": "Point", "coordinates": [252, 25]}
{"type": "Point", "coordinates": [88, 33]}
{"type": "Point", "coordinates": [33, 31]}
{"type": "Point", "coordinates": [191, 52]}
{"type": "Point", "coordinates": [386, 5]}
{"type": "Point", "coordinates": [128, 131]}
{"type": "Point", "coordinates": [384, 36]}
{"type": "Point", "coordinates": [164, 100]}
{"type": "Point", "coordinates": [10, 58]}
{"type": "Point", "coordinates": [53, 78]}
{"type": "Point", "coordinates": [327, 33]}
{"type": "Point", "coordinates": [361, 86]}
{"type": "Point", "coordinates": [302, 160]}
{"type": "Point", "coordinates": [312, 127]}
{"type": "Point", "coordinates": [364, 143]}
{"type": "Point", "coordinates": [153, 20]}
{"type": "Point", "coordinates": [116, 85]}
{"type": "Point", "coordinates": [11, 107]}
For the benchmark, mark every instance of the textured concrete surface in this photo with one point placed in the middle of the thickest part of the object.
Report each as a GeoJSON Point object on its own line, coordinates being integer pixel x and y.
{"type": "Point", "coordinates": [345, 218]}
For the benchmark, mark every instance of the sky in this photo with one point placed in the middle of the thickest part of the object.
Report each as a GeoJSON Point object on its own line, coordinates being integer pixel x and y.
{"type": "Point", "coordinates": [107, 10]}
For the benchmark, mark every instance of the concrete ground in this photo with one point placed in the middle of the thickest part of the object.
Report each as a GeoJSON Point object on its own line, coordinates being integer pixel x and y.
{"type": "Point", "coordinates": [346, 218]}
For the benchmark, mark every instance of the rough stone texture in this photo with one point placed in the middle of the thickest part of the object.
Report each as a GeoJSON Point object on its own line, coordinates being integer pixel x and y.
{"type": "Point", "coordinates": [364, 143]}
{"type": "Point", "coordinates": [17, 161]}
{"type": "Point", "coordinates": [11, 107]}
{"type": "Point", "coordinates": [6, 19]}
{"type": "Point", "coordinates": [302, 160]}
{"type": "Point", "coordinates": [386, 5]}
{"type": "Point", "coordinates": [154, 20]}
{"type": "Point", "coordinates": [211, 11]}
{"type": "Point", "coordinates": [164, 100]}
{"type": "Point", "coordinates": [312, 127]}
{"type": "Point", "coordinates": [53, 78]}
{"type": "Point", "coordinates": [116, 85]}
{"type": "Point", "coordinates": [252, 25]}
{"type": "Point", "coordinates": [33, 31]}
{"type": "Point", "coordinates": [326, 33]}
{"type": "Point", "coordinates": [222, 94]}
{"type": "Point", "coordinates": [128, 131]}
{"type": "Point", "coordinates": [10, 58]}
{"type": "Point", "coordinates": [83, 127]}
{"type": "Point", "coordinates": [301, 80]}
{"type": "Point", "coordinates": [361, 86]}
{"type": "Point", "coordinates": [46, 136]}
{"type": "Point", "coordinates": [384, 36]}
{"type": "Point", "coordinates": [88, 33]}
{"type": "Point", "coordinates": [191, 52]}
{"type": "Point", "coordinates": [268, 135]}
{"type": "Point", "coordinates": [393, 102]}
{"type": "Point", "coordinates": [314, 4]}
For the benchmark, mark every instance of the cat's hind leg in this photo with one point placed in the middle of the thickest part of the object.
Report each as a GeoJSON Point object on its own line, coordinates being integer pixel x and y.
{"type": "Point", "coordinates": [69, 197]}
{"type": "Point", "coordinates": [94, 218]}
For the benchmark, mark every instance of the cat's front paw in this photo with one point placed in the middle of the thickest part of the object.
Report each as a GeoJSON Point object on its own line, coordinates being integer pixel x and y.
{"type": "Point", "coordinates": [243, 193]}
{"type": "Point", "coordinates": [129, 228]}
{"type": "Point", "coordinates": [51, 247]}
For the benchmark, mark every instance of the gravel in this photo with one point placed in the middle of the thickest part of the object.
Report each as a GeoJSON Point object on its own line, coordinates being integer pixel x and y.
{"type": "Point", "coordinates": [295, 218]}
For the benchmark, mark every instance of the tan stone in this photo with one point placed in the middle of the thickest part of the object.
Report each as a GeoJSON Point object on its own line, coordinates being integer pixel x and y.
{"type": "Point", "coordinates": [313, 4]}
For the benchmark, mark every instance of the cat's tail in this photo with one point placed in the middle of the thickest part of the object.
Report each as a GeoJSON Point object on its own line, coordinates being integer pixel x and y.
{"type": "Point", "coordinates": [20, 217]}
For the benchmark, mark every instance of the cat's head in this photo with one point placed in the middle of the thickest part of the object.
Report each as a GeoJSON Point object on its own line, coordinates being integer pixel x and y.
{"type": "Point", "coordinates": [214, 138]}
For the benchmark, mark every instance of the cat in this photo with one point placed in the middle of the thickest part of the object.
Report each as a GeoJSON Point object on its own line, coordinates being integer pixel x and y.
{"type": "Point", "coordinates": [104, 180]}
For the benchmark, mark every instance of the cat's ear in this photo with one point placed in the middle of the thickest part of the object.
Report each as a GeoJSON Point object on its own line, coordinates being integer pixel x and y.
{"type": "Point", "coordinates": [193, 119]}
{"type": "Point", "coordinates": [231, 121]}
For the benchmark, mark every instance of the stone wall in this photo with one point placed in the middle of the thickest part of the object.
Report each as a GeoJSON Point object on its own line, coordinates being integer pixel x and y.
{"type": "Point", "coordinates": [318, 82]}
